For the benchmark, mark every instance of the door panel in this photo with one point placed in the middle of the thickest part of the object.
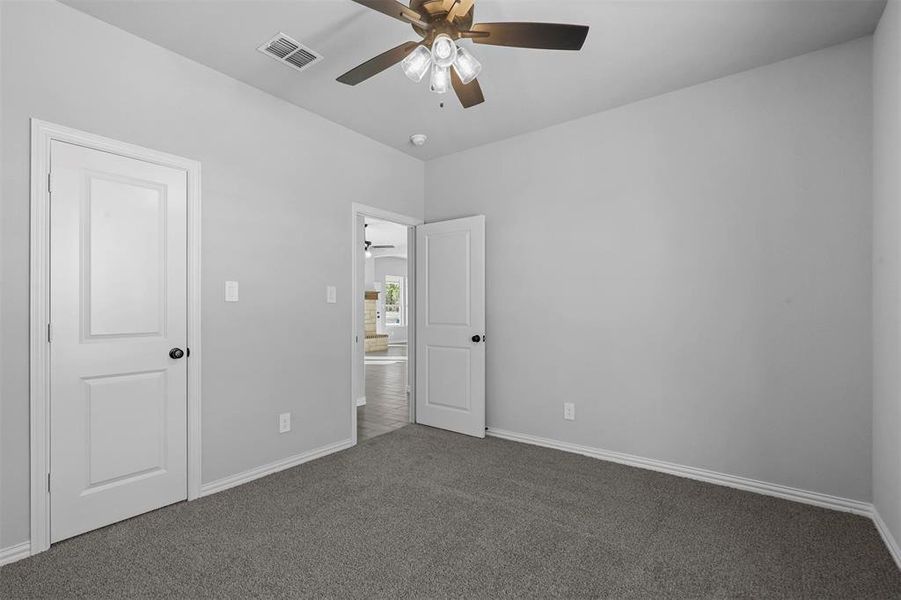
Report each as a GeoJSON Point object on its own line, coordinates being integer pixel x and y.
{"type": "Point", "coordinates": [126, 243]}
{"type": "Point", "coordinates": [118, 300]}
{"type": "Point", "coordinates": [450, 371]}
{"type": "Point", "coordinates": [128, 413]}
{"type": "Point", "coordinates": [449, 377]}
{"type": "Point", "coordinates": [449, 276]}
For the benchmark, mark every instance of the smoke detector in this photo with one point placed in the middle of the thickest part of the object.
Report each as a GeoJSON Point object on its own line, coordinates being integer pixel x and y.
{"type": "Point", "coordinates": [419, 139]}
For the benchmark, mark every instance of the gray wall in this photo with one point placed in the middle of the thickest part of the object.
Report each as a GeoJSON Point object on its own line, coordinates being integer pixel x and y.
{"type": "Point", "coordinates": [276, 202]}
{"type": "Point", "coordinates": [693, 271]}
{"type": "Point", "coordinates": [887, 267]}
{"type": "Point", "coordinates": [706, 253]}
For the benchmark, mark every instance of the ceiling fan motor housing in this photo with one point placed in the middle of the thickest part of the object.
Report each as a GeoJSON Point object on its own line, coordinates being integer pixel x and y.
{"type": "Point", "coordinates": [435, 13]}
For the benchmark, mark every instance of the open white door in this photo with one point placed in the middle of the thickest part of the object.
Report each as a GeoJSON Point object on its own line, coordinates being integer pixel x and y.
{"type": "Point", "coordinates": [118, 307]}
{"type": "Point", "coordinates": [450, 325]}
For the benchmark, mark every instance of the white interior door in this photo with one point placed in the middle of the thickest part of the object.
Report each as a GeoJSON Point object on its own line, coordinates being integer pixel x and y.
{"type": "Point", "coordinates": [118, 303]}
{"type": "Point", "coordinates": [450, 317]}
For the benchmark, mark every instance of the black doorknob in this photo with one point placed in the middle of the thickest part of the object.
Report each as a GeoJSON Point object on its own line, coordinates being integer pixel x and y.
{"type": "Point", "coordinates": [477, 338]}
{"type": "Point", "coordinates": [176, 353]}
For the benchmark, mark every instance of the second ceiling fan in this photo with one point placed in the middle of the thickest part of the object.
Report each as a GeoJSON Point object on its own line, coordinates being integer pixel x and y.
{"type": "Point", "coordinates": [441, 24]}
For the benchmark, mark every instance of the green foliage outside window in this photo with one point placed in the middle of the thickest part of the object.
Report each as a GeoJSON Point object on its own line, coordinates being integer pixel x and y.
{"type": "Point", "coordinates": [394, 301]}
{"type": "Point", "coordinates": [392, 296]}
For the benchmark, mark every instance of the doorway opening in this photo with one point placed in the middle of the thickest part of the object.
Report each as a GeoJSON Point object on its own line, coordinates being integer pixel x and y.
{"type": "Point", "coordinates": [384, 292]}
{"type": "Point", "coordinates": [439, 305]}
{"type": "Point", "coordinates": [385, 405]}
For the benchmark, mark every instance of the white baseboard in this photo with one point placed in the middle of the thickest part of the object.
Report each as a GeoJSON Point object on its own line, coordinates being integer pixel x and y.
{"type": "Point", "coordinates": [361, 401]}
{"type": "Point", "coordinates": [733, 481]}
{"type": "Point", "coordinates": [23, 550]}
{"type": "Point", "coordinates": [14, 553]}
{"type": "Point", "coordinates": [887, 537]}
{"type": "Point", "coordinates": [279, 465]}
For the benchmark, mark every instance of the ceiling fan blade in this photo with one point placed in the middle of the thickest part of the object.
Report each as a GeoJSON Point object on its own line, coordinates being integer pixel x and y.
{"type": "Point", "coordinates": [548, 36]}
{"type": "Point", "coordinates": [384, 247]}
{"type": "Point", "coordinates": [460, 8]}
{"type": "Point", "coordinates": [395, 9]}
{"type": "Point", "coordinates": [376, 65]}
{"type": "Point", "coordinates": [469, 94]}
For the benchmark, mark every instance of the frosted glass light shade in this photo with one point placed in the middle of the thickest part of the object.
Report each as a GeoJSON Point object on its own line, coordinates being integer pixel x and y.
{"type": "Point", "coordinates": [444, 51]}
{"type": "Point", "coordinates": [466, 66]}
{"type": "Point", "coordinates": [440, 81]}
{"type": "Point", "coordinates": [417, 63]}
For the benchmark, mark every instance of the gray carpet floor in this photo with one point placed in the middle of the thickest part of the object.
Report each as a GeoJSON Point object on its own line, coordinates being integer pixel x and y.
{"type": "Point", "coordinates": [421, 513]}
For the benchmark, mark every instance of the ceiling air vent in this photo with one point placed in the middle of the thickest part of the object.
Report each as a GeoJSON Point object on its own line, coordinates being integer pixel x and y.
{"type": "Point", "coordinates": [289, 51]}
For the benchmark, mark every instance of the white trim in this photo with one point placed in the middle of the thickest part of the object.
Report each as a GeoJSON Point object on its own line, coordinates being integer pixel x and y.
{"type": "Point", "coordinates": [42, 134]}
{"type": "Point", "coordinates": [742, 483]}
{"type": "Point", "coordinates": [412, 335]}
{"type": "Point", "coordinates": [887, 537]}
{"type": "Point", "coordinates": [357, 353]}
{"type": "Point", "coordinates": [14, 553]}
{"type": "Point", "coordinates": [280, 465]}
{"type": "Point", "coordinates": [385, 215]}
{"type": "Point", "coordinates": [361, 401]}
{"type": "Point", "coordinates": [195, 392]}
{"type": "Point", "coordinates": [39, 349]}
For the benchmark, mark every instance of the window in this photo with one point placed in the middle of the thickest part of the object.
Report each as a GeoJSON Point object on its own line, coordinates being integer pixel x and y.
{"type": "Point", "coordinates": [395, 301]}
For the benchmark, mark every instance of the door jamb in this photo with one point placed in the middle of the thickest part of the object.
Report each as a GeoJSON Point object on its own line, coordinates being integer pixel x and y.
{"type": "Point", "coordinates": [42, 135]}
{"type": "Point", "coordinates": [357, 355]}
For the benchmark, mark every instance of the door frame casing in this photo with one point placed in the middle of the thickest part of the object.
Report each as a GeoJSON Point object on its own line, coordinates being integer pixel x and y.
{"type": "Point", "coordinates": [43, 134]}
{"type": "Point", "coordinates": [357, 355]}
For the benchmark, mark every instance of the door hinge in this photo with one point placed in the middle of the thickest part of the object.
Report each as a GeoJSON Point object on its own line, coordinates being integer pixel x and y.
{"type": "Point", "coordinates": [48, 483]}
{"type": "Point", "coordinates": [49, 333]}
{"type": "Point", "coordinates": [50, 182]}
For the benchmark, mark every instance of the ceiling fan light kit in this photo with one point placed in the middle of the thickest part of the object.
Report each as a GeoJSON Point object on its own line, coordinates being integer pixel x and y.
{"type": "Point", "coordinates": [440, 80]}
{"type": "Point", "coordinates": [466, 66]}
{"type": "Point", "coordinates": [444, 55]}
{"type": "Point", "coordinates": [444, 50]}
{"type": "Point", "coordinates": [441, 24]}
{"type": "Point", "coordinates": [417, 64]}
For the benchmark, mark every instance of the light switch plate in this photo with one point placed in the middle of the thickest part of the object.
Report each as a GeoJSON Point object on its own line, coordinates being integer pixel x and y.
{"type": "Point", "coordinates": [284, 423]}
{"type": "Point", "coordinates": [231, 291]}
{"type": "Point", "coordinates": [331, 294]}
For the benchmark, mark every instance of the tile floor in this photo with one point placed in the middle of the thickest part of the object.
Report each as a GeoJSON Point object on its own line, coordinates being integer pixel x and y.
{"type": "Point", "coordinates": [386, 393]}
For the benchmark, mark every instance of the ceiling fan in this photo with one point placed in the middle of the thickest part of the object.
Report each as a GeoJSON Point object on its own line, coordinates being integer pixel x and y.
{"type": "Point", "coordinates": [441, 24]}
{"type": "Point", "coordinates": [369, 247]}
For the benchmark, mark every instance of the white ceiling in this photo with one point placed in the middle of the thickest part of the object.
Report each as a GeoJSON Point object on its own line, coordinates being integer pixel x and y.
{"type": "Point", "coordinates": [383, 233]}
{"type": "Point", "coordinates": [635, 49]}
